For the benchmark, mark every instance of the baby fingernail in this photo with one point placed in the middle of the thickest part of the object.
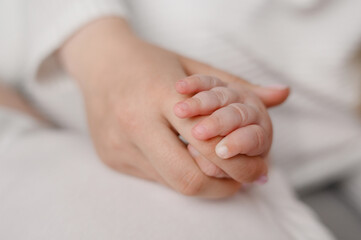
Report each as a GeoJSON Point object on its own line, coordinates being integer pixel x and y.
{"type": "Point", "coordinates": [183, 106]}
{"type": "Point", "coordinates": [222, 151]}
{"type": "Point", "coordinates": [200, 130]}
{"type": "Point", "coordinates": [181, 84]}
{"type": "Point", "coordinates": [262, 180]}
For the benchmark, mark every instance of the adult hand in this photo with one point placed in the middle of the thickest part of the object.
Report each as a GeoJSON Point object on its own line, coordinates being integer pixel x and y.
{"type": "Point", "coordinates": [128, 87]}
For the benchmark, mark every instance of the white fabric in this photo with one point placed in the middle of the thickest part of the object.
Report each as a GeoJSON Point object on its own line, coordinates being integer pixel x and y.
{"type": "Point", "coordinates": [69, 193]}
{"type": "Point", "coordinates": [31, 30]}
{"type": "Point", "coordinates": [12, 40]}
{"type": "Point", "coordinates": [305, 44]}
{"type": "Point", "coordinates": [52, 186]}
{"type": "Point", "coordinates": [351, 188]}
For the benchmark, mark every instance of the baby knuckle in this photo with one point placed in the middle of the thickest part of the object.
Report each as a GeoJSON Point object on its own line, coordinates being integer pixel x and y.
{"type": "Point", "coordinates": [215, 81]}
{"type": "Point", "coordinates": [196, 101]}
{"type": "Point", "coordinates": [222, 95]}
{"type": "Point", "coordinates": [215, 122]}
{"type": "Point", "coordinates": [260, 139]}
{"type": "Point", "coordinates": [196, 79]}
{"type": "Point", "coordinates": [190, 184]}
{"type": "Point", "coordinates": [205, 80]}
{"type": "Point", "coordinates": [212, 170]}
{"type": "Point", "coordinates": [241, 111]}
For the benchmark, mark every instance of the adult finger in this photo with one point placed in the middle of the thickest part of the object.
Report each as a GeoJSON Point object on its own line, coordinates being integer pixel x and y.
{"type": "Point", "coordinates": [271, 95]}
{"type": "Point", "coordinates": [173, 162]}
{"type": "Point", "coordinates": [124, 157]}
{"type": "Point", "coordinates": [207, 167]}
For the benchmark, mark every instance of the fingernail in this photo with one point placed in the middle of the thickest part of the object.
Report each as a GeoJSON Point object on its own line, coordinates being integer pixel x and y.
{"type": "Point", "coordinates": [193, 151]}
{"type": "Point", "coordinates": [200, 129]}
{"type": "Point", "coordinates": [183, 106]}
{"type": "Point", "coordinates": [277, 86]}
{"type": "Point", "coordinates": [181, 84]}
{"type": "Point", "coordinates": [222, 151]}
{"type": "Point", "coordinates": [262, 180]}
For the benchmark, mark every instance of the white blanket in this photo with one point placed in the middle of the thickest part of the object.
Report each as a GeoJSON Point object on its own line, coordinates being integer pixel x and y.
{"type": "Point", "coordinates": [52, 186]}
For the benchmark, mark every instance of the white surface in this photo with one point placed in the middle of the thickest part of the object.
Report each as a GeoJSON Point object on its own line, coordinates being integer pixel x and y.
{"type": "Point", "coordinates": [52, 186]}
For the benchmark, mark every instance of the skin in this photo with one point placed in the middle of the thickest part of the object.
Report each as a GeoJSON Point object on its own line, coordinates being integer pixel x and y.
{"type": "Point", "coordinates": [128, 89]}
{"type": "Point", "coordinates": [232, 113]}
{"type": "Point", "coordinates": [11, 99]}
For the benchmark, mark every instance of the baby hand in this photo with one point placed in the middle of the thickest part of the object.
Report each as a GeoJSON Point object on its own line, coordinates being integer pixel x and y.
{"type": "Point", "coordinates": [232, 112]}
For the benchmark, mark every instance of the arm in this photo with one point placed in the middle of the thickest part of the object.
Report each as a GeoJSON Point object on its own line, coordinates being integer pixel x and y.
{"type": "Point", "coordinates": [128, 87]}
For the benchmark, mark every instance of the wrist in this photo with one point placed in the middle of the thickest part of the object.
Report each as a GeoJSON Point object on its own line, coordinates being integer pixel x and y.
{"type": "Point", "coordinates": [97, 47]}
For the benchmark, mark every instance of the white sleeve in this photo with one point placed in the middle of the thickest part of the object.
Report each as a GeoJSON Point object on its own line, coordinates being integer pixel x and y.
{"type": "Point", "coordinates": [48, 23]}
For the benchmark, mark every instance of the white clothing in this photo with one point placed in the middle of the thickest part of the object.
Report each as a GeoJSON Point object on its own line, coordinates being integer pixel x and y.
{"type": "Point", "coordinates": [52, 186]}
{"type": "Point", "coordinates": [351, 189]}
{"type": "Point", "coordinates": [305, 44]}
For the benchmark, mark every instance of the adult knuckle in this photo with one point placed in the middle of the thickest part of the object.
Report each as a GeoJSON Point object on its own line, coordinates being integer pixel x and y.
{"type": "Point", "coordinates": [113, 140]}
{"type": "Point", "coordinates": [115, 144]}
{"type": "Point", "coordinates": [127, 119]}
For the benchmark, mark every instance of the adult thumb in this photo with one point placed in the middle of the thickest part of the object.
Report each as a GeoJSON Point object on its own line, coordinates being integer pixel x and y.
{"type": "Point", "coordinates": [271, 95]}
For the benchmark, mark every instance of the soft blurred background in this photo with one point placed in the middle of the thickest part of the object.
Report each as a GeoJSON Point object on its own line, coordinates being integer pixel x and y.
{"type": "Point", "coordinates": [314, 46]}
